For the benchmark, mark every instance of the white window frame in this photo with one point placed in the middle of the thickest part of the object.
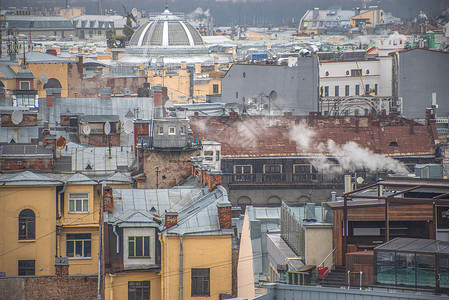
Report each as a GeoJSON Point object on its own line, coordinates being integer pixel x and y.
{"type": "Point", "coordinates": [23, 83]}
{"type": "Point", "coordinates": [160, 130]}
{"type": "Point", "coordinates": [79, 203]}
{"type": "Point", "coordinates": [75, 243]}
{"type": "Point", "coordinates": [171, 130]}
{"type": "Point", "coordinates": [243, 166]}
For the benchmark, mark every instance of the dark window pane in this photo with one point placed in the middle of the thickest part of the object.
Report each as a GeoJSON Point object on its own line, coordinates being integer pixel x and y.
{"type": "Point", "coordinates": [87, 249]}
{"type": "Point", "coordinates": [146, 246]}
{"type": "Point", "coordinates": [31, 234]}
{"type": "Point", "coordinates": [70, 248]}
{"type": "Point", "coordinates": [139, 244]}
{"type": "Point", "coordinates": [131, 251]}
{"type": "Point", "coordinates": [26, 267]}
{"type": "Point", "coordinates": [78, 248]}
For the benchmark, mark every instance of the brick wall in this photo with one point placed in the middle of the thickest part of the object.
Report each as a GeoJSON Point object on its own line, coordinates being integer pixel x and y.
{"type": "Point", "coordinates": [61, 287]}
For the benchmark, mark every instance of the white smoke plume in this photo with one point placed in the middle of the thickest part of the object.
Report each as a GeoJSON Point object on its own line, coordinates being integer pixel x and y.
{"type": "Point", "coordinates": [350, 156]}
{"type": "Point", "coordinates": [198, 12]}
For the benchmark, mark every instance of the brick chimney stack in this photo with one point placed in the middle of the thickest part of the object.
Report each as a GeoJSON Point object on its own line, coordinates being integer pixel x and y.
{"type": "Point", "coordinates": [171, 219]}
{"type": "Point", "coordinates": [225, 215]}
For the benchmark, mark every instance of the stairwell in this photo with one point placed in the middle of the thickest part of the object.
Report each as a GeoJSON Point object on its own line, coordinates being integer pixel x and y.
{"type": "Point", "coordinates": [336, 278]}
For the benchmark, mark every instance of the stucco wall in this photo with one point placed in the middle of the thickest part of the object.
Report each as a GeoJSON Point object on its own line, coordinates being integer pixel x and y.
{"type": "Point", "coordinates": [318, 244]}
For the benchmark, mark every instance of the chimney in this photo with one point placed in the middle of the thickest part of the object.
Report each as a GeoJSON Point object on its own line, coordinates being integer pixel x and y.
{"type": "Point", "coordinates": [49, 97]}
{"type": "Point", "coordinates": [105, 92]}
{"type": "Point", "coordinates": [334, 196]}
{"type": "Point", "coordinates": [233, 115]}
{"type": "Point", "coordinates": [214, 179]}
{"type": "Point", "coordinates": [108, 199]}
{"type": "Point", "coordinates": [348, 184]}
{"type": "Point", "coordinates": [225, 215]}
{"type": "Point", "coordinates": [171, 219]}
{"type": "Point", "coordinates": [80, 64]}
{"type": "Point", "coordinates": [61, 266]}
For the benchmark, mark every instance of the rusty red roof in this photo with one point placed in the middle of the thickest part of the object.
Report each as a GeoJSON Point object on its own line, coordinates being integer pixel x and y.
{"type": "Point", "coordinates": [255, 136]}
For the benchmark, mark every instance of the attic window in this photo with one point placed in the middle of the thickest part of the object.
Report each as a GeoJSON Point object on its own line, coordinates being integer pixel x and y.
{"type": "Point", "coordinates": [367, 71]}
{"type": "Point", "coordinates": [244, 74]}
{"type": "Point", "coordinates": [153, 209]}
{"type": "Point", "coordinates": [393, 144]}
{"type": "Point", "coordinates": [88, 167]}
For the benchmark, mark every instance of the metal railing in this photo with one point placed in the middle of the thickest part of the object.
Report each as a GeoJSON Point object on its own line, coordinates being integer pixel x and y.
{"type": "Point", "coordinates": [323, 265]}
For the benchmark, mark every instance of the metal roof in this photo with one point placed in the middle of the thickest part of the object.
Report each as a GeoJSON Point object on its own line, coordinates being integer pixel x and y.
{"type": "Point", "coordinates": [79, 178]}
{"type": "Point", "coordinates": [116, 178]}
{"type": "Point", "coordinates": [7, 72]}
{"type": "Point", "coordinates": [27, 178]}
{"type": "Point", "coordinates": [33, 22]}
{"type": "Point", "coordinates": [12, 150]}
{"type": "Point", "coordinates": [35, 57]}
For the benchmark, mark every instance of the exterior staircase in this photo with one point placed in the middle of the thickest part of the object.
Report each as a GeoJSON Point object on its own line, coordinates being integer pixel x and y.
{"type": "Point", "coordinates": [336, 278]}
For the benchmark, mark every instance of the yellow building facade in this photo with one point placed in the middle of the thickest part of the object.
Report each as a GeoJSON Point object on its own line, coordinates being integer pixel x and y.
{"type": "Point", "coordinates": [28, 224]}
{"type": "Point", "coordinates": [370, 18]}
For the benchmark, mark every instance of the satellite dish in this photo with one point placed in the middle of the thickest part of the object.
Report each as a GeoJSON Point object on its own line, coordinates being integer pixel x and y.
{"type": "Point", "coordinates": [128, 126]}
{"type": "Point", "coordinates": [61, 142]}
{"type": "Point", "coordinates": [169, 104]}
{"type": "Point", "coordinates": [43, 79]}
{"type": "Point", "coordinates": [273, 96]}
{"type": "Point", "coordinates": [17, 117]}
{"type": "Point", "coordinates": [86, 129]}
{"type": "Point", "coordinates": [360, 180]}
{"type": "Point", "coordinates": [107, 128]}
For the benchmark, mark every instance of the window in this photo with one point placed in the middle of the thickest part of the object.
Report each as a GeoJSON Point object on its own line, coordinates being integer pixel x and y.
{"type": "Point", "coordinates": [276, 169]}
{"type": "Point", "coordinates": [236, 95]}
{"type": "Point", "coordinates": [24, 85]}
{"type": "Point", "coordinates": [171, 130]}
{"type": "Point", "coordinates": [375, 89]}
{"type": "Point", "coordinates": [27, 225]}
{"type": "Point", "coordinates": [356, 72]}
{"type": "Point", "coordinates": [215, 89]}
{"type": "Point", "coordinates": [200, 282]}
{"type": "Point", "coordinates": [160, 130]}
{"type": "Point", "coordinates": [357, 89]}
{"type": "Point", "coordinates": [138, 290]}
{"type": "Point", "coordinates": [139, 246]}
{"type": "Point", "coordinates": [208, 153]}
{"type": "Point", "coordinates": [182, 130]}
{"type": "Point", "coordinates": [28, 100]}
{"type": "Point", "coordinates": [326, 91]}
{"type": "Point", "coordinates": [367, 88]}
{"type": "Point", "coordinates": [346, 90]}
{"type": "Point", "coordinates": [79, 245]}
{"type": "Point", "coordinates": [217, 153]}
{"type": "Point", "coordinates": [79, 203]}
{"type": "Point", "coordinates": [26, 267]}
{"type": "Point", "coordinates": [243, 169]}
{"type": "Point", "coordinates": [337, 91]}
{"type": "Point", "coordinates": [303, 173]}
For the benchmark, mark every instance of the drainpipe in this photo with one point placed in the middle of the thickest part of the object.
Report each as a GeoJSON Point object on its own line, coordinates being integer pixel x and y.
{"type": "Point", "coordinates": [118, 238]}
{"type": "Point", "coordinates": [100, 237]}
{"type": "Point", "coordinates": [180, 266]}
{"type": "Point", "coordinates": [58, 205]}
{"type": "Point", "coordinates": [111, 289]}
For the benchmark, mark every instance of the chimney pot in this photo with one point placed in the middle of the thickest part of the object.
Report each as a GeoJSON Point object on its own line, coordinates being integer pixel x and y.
{"type": "Point", "coordinates": [225, 215]}
{"type": "Point", "coordinates": [171, 219]}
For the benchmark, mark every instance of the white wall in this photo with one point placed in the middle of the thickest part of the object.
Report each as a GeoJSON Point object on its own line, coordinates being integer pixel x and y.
{"type": "Point", "coordinates": [139, 263]}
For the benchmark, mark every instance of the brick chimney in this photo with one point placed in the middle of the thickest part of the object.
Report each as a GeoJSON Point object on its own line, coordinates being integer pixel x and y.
{"type": "Point", "coordinates": [171, 219]}
{"type": "Point", "coordinates": [61, 266]}
{"type": "Point", "coordinates": [49, 97]}
{"type": "Point", "coordinates": [80, 64]}
{"type": "Point", "coordinates": [214, 179]}
{"type": "Point", "coordinates": [225, 215]}
{"type": "Point", "coordinates": [108, 199]}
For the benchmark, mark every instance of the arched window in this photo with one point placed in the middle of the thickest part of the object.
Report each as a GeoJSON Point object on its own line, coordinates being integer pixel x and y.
{"type": "Point", "coordinates": [27, 222]}
{"type": "Point", "coordinates": [53, 83]}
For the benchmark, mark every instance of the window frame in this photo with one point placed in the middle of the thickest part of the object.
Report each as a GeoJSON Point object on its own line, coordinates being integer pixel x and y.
{"type": "Point", "coordinates": [24, 270]}
{"type": "Point", "coordinates": [272, 165]}
{"type": "Point", "coordinates": [133, 254]}
{"type": "Point", "coordinates": [242, 168]}
{"type": "Point", "coordinates": [139, 287]}
{"type": "Point", "coordinates": [215, 89]}
{"type": "Point", "coordinates": [200, 283]}
{"type": "Point", "coordinates": [27, 221]}
{"type": "Point", "coordinates": [347, 90]}
{"type": "Point", "coordinates": [160, 130]}
{"type": "Point", "coordinates": [326, 91]}
{"type": "Point", "coordinates": [24, 83]}
{"type": "Point", "coordinates": [337, 91]}
{"type": "Point", "coordinates": [171, 130]}
{"type": "Point", "coordinates": [76, 239]}
{"type": "Point", "coordinates": [83, 200]}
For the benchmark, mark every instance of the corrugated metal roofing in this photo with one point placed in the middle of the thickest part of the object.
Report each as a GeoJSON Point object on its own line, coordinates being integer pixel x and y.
{"type": "Point", "coordinates": [27, 178]}
{"type": "Point", "coordinates": [7, 72]}
{"type": "Point", "coordinates": [35, 57]}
